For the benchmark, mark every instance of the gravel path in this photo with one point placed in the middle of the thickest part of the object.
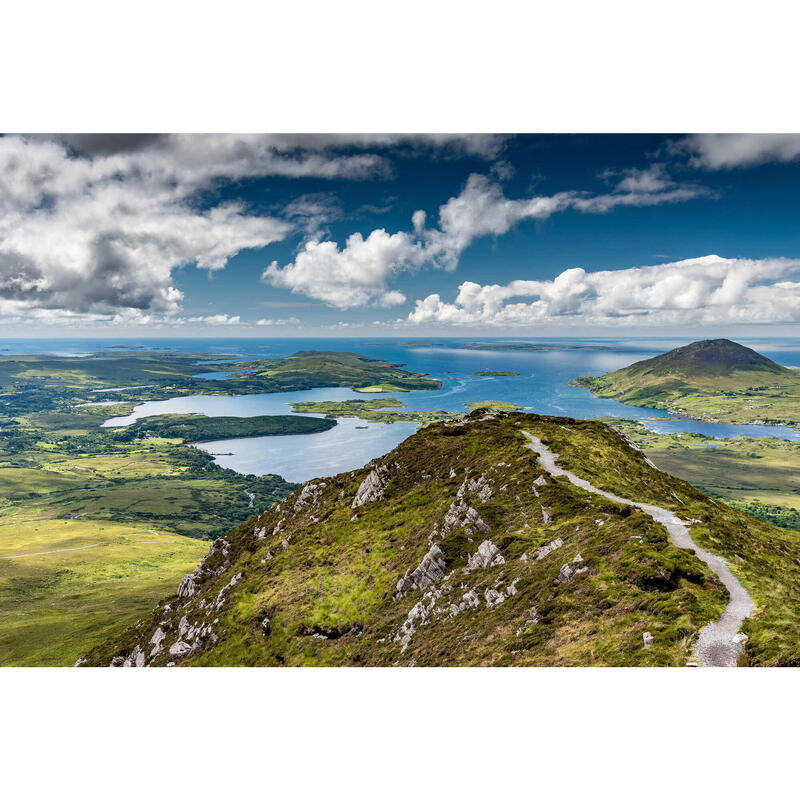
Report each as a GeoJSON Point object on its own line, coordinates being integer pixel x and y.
{"type": "Point", "coordinates": [717, 645]}
{"type": "Point", "coordinates": [47, 552]}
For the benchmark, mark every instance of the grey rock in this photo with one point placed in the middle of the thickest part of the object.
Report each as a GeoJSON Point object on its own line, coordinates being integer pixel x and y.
{"type": "Point", "coordinates": [430, 571]}
{"type": "Point", "coordinates": [647, 638]}
{"type": "Point", "coordinates": [548, 548]}
{"type": "Point", "coordinates": [460, 515]}
{"type": "Point", "coordinates": [487, 555]}
{"type": "Point", "coordinates": [156, 640]}
{"type": "Point", "coordinates": [308, 495]}
{"type": "Point", "coordinates": [493, 597]}
{"type": "Point", "coordinates": [180, 649]}
{"type": "Point", "coordinates": [188, 587]}
{"type": "Point", "coordinates": [571, 569]}
{"type": "Point", "coordinates": [372, 488]}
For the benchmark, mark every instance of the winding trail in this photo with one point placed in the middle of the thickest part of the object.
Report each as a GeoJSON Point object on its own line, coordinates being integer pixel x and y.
{"type": "Point", "coordinates": [717, 645]}
{"type": "Point", "coordinates": [47, 552]}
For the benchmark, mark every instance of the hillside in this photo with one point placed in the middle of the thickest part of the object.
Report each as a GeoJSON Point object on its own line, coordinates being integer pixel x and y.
{"type": "Point", "coordinates": [459, 548]}
{"type": "Point", "coordinates": [714, 380]}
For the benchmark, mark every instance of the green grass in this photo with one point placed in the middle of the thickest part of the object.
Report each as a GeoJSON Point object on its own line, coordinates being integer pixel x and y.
{"type": "Point", "coordinates": [760, 476]}
{"type": "Point", "coordinates": [53, 605]}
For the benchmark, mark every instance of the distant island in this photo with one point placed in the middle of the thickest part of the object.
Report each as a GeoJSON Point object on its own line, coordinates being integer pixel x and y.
{"type": "Point", "coordinates": [198, 428]}
{"type": "Point", "coordinates": [495, 373]}
{"type": "Point", "coordinates": [714, 380]}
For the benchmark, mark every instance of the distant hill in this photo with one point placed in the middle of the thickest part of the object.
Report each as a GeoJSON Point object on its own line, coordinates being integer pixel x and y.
{"type": "Point", "coordinates": [458, 548]}
{"type": "Point", "coordinates": [714, 379]}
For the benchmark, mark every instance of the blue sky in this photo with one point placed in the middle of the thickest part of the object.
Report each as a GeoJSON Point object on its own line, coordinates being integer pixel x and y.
{"type": "Point", "coordinates": [521, 235]}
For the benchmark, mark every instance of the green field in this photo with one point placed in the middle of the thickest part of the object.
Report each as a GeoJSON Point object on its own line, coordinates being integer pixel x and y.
{"type": "Point", "coordinates": [65, 584]}
{"type": "Point", "coordinates": [760, 476]}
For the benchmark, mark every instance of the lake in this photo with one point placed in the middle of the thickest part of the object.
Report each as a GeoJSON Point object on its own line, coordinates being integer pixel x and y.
{"type": "Point", "coordinates": [541, 387]}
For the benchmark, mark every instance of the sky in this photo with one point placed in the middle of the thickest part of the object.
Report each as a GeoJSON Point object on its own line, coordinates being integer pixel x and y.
{"type": "Point", "coordinates": [399, 235]}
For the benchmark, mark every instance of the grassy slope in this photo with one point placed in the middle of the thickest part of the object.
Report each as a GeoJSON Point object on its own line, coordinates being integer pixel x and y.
{"type": "Point", "coordinates": [52, 606]}
{"type": "Point", "coordinates": [64, 482]}
{"type": "Point", "coordinates": [766, 558]}
{"type": "Point", "coordinates": [761, 475]}
{"type": "Point", "coordinates": [336, 576]}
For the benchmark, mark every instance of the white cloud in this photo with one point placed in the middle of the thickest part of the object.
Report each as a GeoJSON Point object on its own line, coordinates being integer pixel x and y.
{"type": "Point", "coordinates": [103, 234]}
{"type": "Point", "coordinates": [482, 210]}
{"type": "Point", "coordinates": [352, 276]}
{"type": "Point", "coordinates": [731, 150]}
{"type": "Point", "coordinates": [358, 274]}
{"type": "Point", "coordinates": [95, 225]}
{"type": "Point", "coordinates": [216, 319]}
{"type": "Point", "coordinates": [288, 321]}
{"type": "Point", "coordinates": [707, 290]}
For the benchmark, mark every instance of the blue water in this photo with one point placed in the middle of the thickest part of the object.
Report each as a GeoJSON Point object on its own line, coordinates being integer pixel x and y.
{"type": "Point", "coordinates": [541, 387]}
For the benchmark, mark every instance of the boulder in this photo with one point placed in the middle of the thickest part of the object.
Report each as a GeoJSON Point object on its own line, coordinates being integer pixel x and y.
{"type": "Point", "coordinates": [372, 487]}
{"type": "Point", "coordinates": [180, 649]}
{"type": "Point", "coordinates": [487, 555]}
{"type": "Point", "coordinates": [430, 570]}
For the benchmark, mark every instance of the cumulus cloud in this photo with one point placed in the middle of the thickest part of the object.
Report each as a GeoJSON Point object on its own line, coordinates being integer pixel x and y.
{"type": "Point", "coordinates": [359, 273]}
{"type": "Point", "coordinates": [353, 275]}
{"type": "Point", "coordinates": [95, 225]}
{"type": "Point", "coordinates": [706, 290]}
{"type": "Point", "coordinates": [731, 150]}
{"type": "Point", "coordinates": [102, 234]}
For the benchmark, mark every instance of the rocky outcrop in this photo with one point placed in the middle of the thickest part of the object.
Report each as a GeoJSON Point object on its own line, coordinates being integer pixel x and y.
{"type": "Point", "coordinates": [372, 487]}
{"type": "Point", "coordinates": [572, 568]}
{"type": "Point", "coordinates": [477, 486]}
{"type": "Point", "coordinates": [309, 495]}
{"type": "Point", "coordinates": [188, 586]}
{"type": "Point", "coordinates": [430, 571]}
{"type": "Point", "coordinates": [460, 515]}
{"type": "Point", "coordinates": [545, 550]}
{"type": "Point", "coordinates": [156, 640]}
{"type": "Point", "coordinates": [487, 555]}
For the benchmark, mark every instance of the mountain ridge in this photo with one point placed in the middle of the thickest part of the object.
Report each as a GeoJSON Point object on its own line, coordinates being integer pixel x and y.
{"type": "Point", "coordinates": [458, 548]}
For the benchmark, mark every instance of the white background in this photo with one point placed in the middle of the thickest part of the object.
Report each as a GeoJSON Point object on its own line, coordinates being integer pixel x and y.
{"type": "Point", "coordinates": [398, 67]}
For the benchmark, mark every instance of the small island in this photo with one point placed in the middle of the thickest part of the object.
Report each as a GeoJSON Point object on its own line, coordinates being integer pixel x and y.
{"type": "Point", "coordinates": [385, 409]}
{"type": "Point", "coordinates": [495, 373]}
{"type": "Point", "coordinates": [197, 428]}
{"type": "Point", "coordinates": [494, 405]}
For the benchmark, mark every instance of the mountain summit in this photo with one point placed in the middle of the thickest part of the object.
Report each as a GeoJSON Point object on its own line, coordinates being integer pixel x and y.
{"type": "Point", "coordinates": [710, 357]}
{"type": "Point", "coordinates": [716, 380]}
